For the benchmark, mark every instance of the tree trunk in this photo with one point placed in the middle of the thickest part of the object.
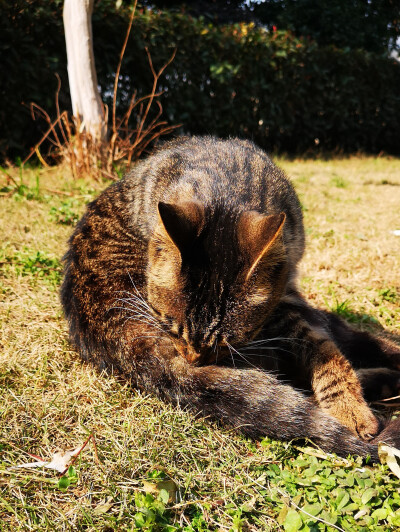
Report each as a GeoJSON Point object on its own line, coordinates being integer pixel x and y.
{"type": "Point", "coordinates": [86, 101]}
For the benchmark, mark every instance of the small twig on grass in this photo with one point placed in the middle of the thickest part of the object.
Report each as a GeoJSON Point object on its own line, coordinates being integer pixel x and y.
{"type": "Point", "coordinates": [11, 444]}
{"type": "Point", "coordinates": [6, 194]}
{"type": "Point", "coordinates": [8, 176]}
{"type": "Point", "coordinates": [387, 405]}
{"type": "Point", "coordinates": [90, 437]}
{"type": "Point", "coordinates": [58, 192]}
{"type": "Point", "coordinates": [35, 456]}
{"type": "Point", "coordinates": [189, 503]}
{"type": "Point", "coordinates": [386, 402]}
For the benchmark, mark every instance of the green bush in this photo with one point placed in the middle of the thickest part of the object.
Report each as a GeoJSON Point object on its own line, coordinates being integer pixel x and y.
{"type": "Point", "coordinates": [285, 93]}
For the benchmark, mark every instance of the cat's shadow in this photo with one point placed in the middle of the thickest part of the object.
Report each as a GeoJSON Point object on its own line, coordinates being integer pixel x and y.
{"type": "Point", "coordinates": [366, 323]}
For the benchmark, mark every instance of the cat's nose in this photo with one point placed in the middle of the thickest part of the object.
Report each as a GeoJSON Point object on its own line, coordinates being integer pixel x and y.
{"type": "Point", "coordinates": [195, 357]}
{"type": "Point", "coordinates": [202, 356]}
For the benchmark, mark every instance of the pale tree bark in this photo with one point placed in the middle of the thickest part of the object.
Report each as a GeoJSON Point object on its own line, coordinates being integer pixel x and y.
{"type": "Point", "coordinates": [86, 101]}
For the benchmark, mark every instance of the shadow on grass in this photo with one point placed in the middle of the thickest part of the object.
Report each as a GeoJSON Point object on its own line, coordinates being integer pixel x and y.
{"type": "Point", "coordinates": [364, 322]}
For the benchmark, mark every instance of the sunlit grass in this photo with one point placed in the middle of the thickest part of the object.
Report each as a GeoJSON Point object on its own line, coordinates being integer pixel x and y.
{"type": "Point", "coordinates": [213, 479]}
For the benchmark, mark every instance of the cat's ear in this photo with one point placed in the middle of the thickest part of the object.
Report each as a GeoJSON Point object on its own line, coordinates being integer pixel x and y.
{"type": "Point", "coordinates": [261, 237]}
{"type": "Point", "coordinates": [182, 221]}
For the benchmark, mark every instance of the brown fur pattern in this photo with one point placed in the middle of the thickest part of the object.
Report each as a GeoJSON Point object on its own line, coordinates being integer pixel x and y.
{"type": "Point", "coordinates": [183, 277]}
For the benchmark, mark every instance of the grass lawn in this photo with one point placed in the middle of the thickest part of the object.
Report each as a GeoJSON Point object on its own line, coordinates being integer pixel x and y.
{"type": "Point", "coordinates": [148, 466]}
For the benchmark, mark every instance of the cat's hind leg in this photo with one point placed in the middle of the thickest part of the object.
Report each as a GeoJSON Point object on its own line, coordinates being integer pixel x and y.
{"type": "Point", "coordinates": [379, 383]}
{"type": "Point", "coordinates": [361, 348]}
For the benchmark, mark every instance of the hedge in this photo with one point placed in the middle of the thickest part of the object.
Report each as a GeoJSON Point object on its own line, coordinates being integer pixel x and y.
{"type": "Point", "coordinates": [287, 94]}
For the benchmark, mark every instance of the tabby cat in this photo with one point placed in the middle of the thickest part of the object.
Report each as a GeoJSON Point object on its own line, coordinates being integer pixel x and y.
{"type": "Point", "coordinates": [183, 277]}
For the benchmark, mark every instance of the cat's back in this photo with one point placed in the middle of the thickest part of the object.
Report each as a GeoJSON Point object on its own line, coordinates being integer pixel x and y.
{"type": "Point", "coordinates": [232, 173]}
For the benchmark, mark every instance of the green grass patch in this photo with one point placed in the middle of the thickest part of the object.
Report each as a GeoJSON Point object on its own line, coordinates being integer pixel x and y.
{"type": "Point", "coordinates": [67, 213]}
{"type": "Point", "coordinates": [339, 181]}
{"type": "Point", "coordinates": [389, 294]}
{"type": "Point", "coordinates": [344, 310]}
{"type": "Point", "coordinates": [32, 264]}
{"type": "Point", "coordinates": [18, 187]}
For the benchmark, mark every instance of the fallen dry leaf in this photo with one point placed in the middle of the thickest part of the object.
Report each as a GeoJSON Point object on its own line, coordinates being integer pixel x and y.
{"type": "Point", "coordinates": [59, 461]}
{"type": "Point", "coordinates": [103, 506]}
{"type": "Point", "coordinates": [155, 487]}
{"type": "Point", "coordinates": [387, 455]}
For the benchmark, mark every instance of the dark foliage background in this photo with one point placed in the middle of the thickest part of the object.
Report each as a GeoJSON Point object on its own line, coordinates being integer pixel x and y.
{"type": "Point", "coordinates": [373, 25]}
{"type": "Point", "coordinates": [287, 92]}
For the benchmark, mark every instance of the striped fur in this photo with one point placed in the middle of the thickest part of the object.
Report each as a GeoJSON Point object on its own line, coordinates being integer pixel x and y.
{"type": "Point", "coordinates": [183, 277]}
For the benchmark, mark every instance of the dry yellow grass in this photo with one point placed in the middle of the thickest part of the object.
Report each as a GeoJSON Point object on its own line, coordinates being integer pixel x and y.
{"type": "Point", "coordinates": [352, 208]}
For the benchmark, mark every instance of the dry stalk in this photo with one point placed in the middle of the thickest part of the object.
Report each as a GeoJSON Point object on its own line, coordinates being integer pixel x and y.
{"type": "Point", "coordinates": [70, 142]}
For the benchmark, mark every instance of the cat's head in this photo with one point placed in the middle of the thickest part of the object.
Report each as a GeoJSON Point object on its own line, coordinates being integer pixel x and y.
{"type": "Point", "coordinates": [214, 275]}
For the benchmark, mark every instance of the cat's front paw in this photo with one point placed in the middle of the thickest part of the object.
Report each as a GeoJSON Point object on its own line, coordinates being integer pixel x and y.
{"type": "Point", "coordinates": [365, 423]}
{"type": "Point", "coordinates": [356, 416]}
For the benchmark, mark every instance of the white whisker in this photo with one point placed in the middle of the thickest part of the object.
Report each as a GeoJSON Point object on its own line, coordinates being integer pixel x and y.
{"type": "Point", "coordinates": [146, 322]}
{"type": "Point", "coordinates": [272, 349]}
{"type": "Point", "coordinates": [139, 312]}
{"type": "Point", "coordinates": [278, 338]}
{"type": "Point", "coordinates": [136, 315]}
{"type": "Point", "coordinates": [135, 301]}
{"type": "Point", "coordinates": [230, 352]}
{"type": "Point", "coordinates": [137, 308]}
{"type": "Point", "coordinates": [138, 292]}
{"type": "Point", "coordinates": [241, 355]}
{"type": "Point", "coordinates": [262, 355]}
